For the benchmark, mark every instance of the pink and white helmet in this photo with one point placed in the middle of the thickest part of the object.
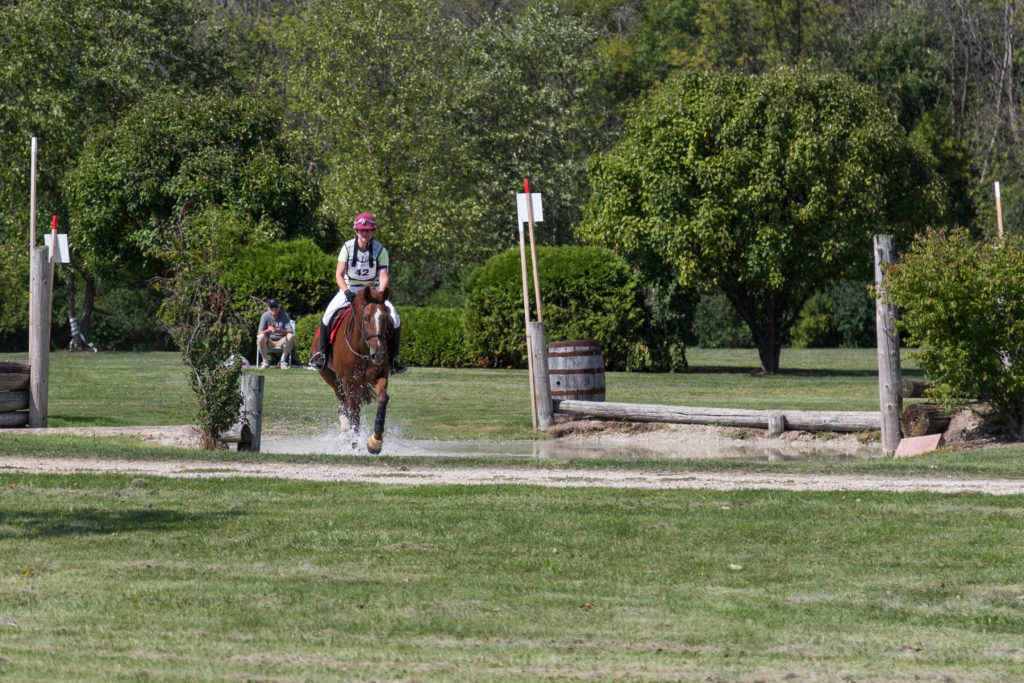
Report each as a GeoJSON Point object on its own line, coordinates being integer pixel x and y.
{"type": "Point", "coordinates": [364, 221]}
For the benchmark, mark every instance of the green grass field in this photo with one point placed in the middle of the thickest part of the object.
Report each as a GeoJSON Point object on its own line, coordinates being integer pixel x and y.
{"type": "Point", "coordinates": [150, 389]}
{"type": "Point", "coordinates": [106, 577]}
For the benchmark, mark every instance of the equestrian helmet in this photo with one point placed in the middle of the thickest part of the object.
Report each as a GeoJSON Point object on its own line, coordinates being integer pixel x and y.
{"type": "Point", "coordinates": [364, 221]}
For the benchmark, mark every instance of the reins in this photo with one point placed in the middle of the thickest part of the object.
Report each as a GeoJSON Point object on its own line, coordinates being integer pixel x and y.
{"type": "Point", "coordinates": [362, 330]}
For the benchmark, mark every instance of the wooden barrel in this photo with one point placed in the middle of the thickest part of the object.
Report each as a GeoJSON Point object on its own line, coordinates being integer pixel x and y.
{"type": "Point", "coordinates": [576, 371]}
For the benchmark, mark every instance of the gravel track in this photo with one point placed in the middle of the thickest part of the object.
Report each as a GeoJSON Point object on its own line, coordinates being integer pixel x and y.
{"type": "Point", "coordinates": [408, 476]}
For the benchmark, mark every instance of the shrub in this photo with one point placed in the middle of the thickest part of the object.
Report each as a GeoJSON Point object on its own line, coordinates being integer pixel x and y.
{"type": "Point", "coordinates": [589, 293]}
{"type": "Point", "coordinates": [717, 325]}
{"type": "Point", "coordinates": [305, 328]}
{"type": "Point", "coordinates": [855, 313]}
{"type": "Point", "coordinates": [435, 337]}
{"type": "Point", "coordinates": [297, 273]}
{"type": "Point", "coordinates": [961, 304]}
{"type": "Point", "coordinates": [816, 326]}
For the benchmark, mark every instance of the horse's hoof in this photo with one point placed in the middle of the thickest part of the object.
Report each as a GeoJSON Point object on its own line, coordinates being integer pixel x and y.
{"type": "Point", "coordinates": [373, 444]}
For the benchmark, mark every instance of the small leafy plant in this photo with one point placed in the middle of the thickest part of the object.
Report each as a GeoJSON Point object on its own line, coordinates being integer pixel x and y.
{"type": "Point", "coordinates": [961, 304]}
{"type": "Point", "coordinates": [198, 313]}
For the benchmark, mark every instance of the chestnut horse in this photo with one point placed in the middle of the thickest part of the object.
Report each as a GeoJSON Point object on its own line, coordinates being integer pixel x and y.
{"type": "Point", "coordinates": [358, 366]}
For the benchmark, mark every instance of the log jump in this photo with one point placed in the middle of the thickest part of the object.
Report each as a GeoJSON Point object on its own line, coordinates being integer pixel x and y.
{"type": "Point", "coordinates": [14, 393]}
{"type": "Point", "coordinates": [804, 420]}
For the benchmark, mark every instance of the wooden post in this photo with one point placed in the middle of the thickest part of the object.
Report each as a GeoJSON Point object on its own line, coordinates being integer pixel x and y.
{"type": "Point", "coordinates": [541, 383]}
{"type": "Point", "coordinates": [526, 316]}
{"type": "Point", "coordinates": [889, 374]}
{"type": "Point", "coordinates": [40, 281]}
{"type": "Point", "coordinates": [252, 409]}
{"type": "Point", "coordinates": [776, 424]}
{"type": "Point", "coordinates": [999, 212]}
{"type": "Point", "coordinates": [533, 250]}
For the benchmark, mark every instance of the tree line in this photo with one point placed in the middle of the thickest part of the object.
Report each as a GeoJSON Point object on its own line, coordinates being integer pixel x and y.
{"type": "Point", "coordinates": [264, 121]}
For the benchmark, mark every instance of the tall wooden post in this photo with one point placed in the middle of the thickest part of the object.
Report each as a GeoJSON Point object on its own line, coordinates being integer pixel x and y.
{"type": "Point", "coordinates": [526, 317]}
{"type": "Point", "coordinates": [40, 287]}
{"type": "Point", "coordinates": [252, 409]}
{"type": "Point", "coordinates": [541, 381]}
{"type": "Point", "coordinates": [889, 374]}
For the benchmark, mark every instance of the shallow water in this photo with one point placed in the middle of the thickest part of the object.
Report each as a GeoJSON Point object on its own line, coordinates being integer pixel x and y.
{"type": "Point", "coordinates": [337, 443]}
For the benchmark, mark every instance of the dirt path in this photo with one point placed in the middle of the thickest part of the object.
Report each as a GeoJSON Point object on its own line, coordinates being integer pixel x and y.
{"type": "Point", "coordinates": [385, 474]}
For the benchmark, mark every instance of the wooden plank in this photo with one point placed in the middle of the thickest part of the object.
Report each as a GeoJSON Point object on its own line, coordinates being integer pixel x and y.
{"type": "Point", "coordinates": [13, 400]}
{"type": "Point", "coordinates": [14, 380]}
{"type": "Point", "coordinates": [13, 419]}
{"type": "Point", "coordinates": [805, 420]}
{"type": "Point", "coordinates": [14, 366]}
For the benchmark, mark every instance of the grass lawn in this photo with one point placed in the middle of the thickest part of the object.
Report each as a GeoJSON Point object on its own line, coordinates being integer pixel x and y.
{"type": "Point", "coordinates": [120, 389]}
{"type": "Point", "coordinates": [109, 577]}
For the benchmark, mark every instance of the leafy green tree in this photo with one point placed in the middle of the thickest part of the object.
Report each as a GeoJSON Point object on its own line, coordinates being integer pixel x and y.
{"type": "Point", "coordinates": [763, 187]}
{"type": "Point", "coordinates": [199, 154]}
{"type": "Point", "coordinates": [70, 67]}
{"type": "Point", "coordinates": [431, 123]}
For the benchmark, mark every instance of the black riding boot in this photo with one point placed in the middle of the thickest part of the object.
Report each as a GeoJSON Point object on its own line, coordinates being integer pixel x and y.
{"type": "Point", "coordinates": [319, 358]}
{"type": "Point", "coordinates": [398, 365]}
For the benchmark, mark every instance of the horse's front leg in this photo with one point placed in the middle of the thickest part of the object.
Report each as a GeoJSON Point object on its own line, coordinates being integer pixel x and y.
{"type": "Point", "coordinates": [352, 404]}
{"type": "Point", "coordinates": [376, 440]}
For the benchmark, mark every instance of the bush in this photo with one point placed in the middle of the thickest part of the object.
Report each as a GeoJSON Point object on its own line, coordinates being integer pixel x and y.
{"type": "Point", "coordinates": [435, 337]}
{"type": "Point", "coordinates": [816, 326]}
{"type": "Point", "coordinates": [961, 304]}
{"type": "Point", "coordinates": [717, 325]}
{"type": "Point", "coordinates": [855, 313]}
{"type": "Point", "coordinates": [297, 273]}
{"type": "Point", "coordinates": [305, 329]}
{"type": "Point", "coordinates": [589, 293]}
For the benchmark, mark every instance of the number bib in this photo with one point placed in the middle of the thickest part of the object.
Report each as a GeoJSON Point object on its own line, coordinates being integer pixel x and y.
{"type": "Point", "coordinates": [367, 263]}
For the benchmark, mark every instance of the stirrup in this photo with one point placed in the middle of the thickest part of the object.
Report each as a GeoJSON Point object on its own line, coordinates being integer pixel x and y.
{"type": "Point", "coordinates": [318, 360]}
{"type": "Point", "coordinates": [398, 366]}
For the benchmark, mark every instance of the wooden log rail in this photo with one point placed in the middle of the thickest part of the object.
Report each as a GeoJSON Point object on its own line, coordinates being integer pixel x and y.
{"type": "Point", "coordinates": [805, 420]}
{"type": "Point", "coordinates": [14, 393]}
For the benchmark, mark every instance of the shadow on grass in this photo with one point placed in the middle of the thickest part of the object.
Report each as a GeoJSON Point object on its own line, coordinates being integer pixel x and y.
{"type": "Point", "coordinates": [93, 521]}
{"type": "Point", "coordinates": [800, 372]}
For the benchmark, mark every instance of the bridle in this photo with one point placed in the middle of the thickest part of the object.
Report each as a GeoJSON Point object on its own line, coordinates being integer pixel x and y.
{"type": "Point", "coordinates": [362, 331]}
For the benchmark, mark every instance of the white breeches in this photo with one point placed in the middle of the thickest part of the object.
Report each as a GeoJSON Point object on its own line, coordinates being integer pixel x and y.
{"type": "Point", "coordinates": [340, 301]}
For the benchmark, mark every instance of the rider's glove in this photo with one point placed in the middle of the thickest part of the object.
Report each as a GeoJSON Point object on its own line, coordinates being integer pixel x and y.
{"type": "Point", "coordinates": [350, 295]}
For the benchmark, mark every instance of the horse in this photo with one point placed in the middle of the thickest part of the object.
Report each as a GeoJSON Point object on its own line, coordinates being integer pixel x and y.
{"type": "Point", "coordinates": [359, 366]}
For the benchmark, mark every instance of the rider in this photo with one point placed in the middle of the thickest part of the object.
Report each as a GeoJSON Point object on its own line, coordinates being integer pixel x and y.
{"type": "Point", "coordinates": [363, 261]}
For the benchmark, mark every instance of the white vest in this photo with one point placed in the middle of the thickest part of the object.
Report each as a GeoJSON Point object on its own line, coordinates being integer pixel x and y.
{"type": "Point", "coordinates": [366, 267]}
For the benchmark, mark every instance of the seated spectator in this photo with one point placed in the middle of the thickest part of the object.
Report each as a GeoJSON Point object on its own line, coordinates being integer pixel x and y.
{"type": "Point", "coordinates": [277, 331]}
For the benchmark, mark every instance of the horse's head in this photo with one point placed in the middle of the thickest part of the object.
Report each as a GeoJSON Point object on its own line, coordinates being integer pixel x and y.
{"type": "Point", "coordinates": [373, 317]}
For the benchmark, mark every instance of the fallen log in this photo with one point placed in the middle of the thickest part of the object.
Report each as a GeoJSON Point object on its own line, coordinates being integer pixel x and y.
{"type": "Point", "coordinates": [13, 400]}
{"type": "Point", "coordinates": [805, 420]}
{"type": "Point", "coordinates": [238, 433]}
{"type": "Point", "coordinates": [922, 419]}
{"type": "Point", "coordinates": [913, 388]}
{"type": "Point", "coordinates": [13, 366]}
{"type": "Point", "coordinates": [19, 419]}
{"type": "Point", "coordinates": [14, 380]}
